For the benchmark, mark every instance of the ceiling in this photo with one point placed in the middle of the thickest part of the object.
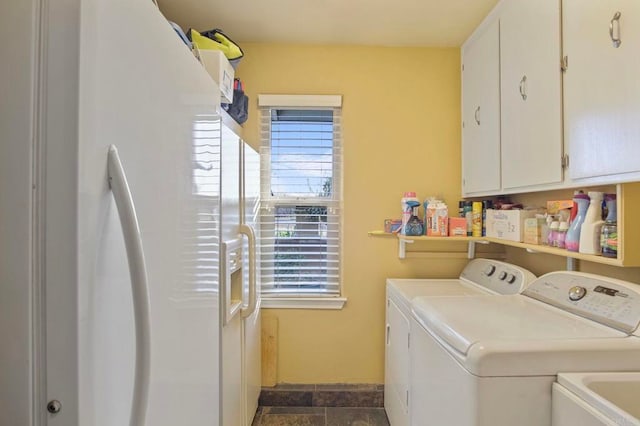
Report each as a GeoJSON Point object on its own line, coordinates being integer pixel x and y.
{"type": "Point", "coordinates": [357, 22]}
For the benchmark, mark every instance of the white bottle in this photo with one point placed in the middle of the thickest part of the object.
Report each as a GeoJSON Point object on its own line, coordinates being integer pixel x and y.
{"type": "Point", "coordinates": [592, 225]}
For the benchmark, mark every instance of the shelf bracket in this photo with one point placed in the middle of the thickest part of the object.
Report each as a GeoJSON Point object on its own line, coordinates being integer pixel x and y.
{"type": "Point", "coordinates": [471, 248]}
{"type": "Point", "coordinates": [572, 264]}
{"type": "Point", "coordinates": [402, 248]}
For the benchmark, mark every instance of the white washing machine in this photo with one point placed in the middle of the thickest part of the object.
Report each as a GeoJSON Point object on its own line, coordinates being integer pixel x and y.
{"type": "Point", "coordinates": [480, 276]}
{"type": "Point", "coordinates": [491, 361]}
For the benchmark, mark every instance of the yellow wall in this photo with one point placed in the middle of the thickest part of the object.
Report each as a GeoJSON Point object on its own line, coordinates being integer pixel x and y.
{"type": "Point", "coordinates": [401, 129]}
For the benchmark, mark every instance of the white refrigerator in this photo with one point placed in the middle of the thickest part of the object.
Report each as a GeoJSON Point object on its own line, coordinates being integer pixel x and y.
{"type": "Point", "coordinates": [112, 223]}
{"type": "Point", "coordinates": [240, 300]}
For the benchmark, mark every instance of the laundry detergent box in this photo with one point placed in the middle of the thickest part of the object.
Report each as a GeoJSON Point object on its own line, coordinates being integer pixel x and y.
{"type": "Point", "coordinates": [437, 219]}
{"type": "Point", "coordinates": [457, 227]}
{"type": "Point", "coordinates": [508, 224]}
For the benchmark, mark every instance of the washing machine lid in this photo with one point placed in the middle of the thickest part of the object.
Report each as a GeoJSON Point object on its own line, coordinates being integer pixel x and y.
{"type": "Point", "coordinates": [463, 323]}
{"type": "Point", "coordinates": [403, 291]}
{"type": "Point", "coordinates": [412, 288]}
{"type": "Point", "coordinates": [480, 276]}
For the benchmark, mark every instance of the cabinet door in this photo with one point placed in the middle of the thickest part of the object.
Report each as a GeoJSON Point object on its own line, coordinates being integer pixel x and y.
{"type": "Point", "coordinates": [396, 392]}
{"type": "Point", "coordinates": [531, 93]}
{"type": "Point", "coordinates": [602, 87]}
{"type": "Point", "coordinates": [481, 111]}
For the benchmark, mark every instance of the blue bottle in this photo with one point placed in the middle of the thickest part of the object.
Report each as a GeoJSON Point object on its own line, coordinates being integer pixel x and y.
{"type": "Point", "coordinates": [572, 240]}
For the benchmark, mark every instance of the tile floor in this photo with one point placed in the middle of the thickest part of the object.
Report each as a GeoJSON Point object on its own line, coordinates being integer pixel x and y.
{"type": "Point", "coordinates": [320, 416]}
{"type": "Point", "coordinates": [322, 405]}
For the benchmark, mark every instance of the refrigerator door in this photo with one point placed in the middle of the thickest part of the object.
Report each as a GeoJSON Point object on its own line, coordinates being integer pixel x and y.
{"type": "Point", "coordinates": [231, 339]}
{"type": "Point", "coordinates": [139, 87]}
{"type": "Point", "coordinates": [251, 349]}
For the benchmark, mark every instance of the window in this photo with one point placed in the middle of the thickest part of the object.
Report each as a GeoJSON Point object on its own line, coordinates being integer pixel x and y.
{"type": "Point", "coordinates": [300, 221]}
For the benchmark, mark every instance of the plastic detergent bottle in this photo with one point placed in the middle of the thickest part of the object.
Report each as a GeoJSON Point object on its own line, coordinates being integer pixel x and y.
{"type": "Point", "coordinates": [407, 209]}
{"type": "Point", "coordinates": [552, 237]}
{"type": "Point", "coordinates": [592, 225]}
{"type": "Point", "coordinates": [572, 240]}
{"type": "Point", "coordinates": [414, 226]}
{"type": "Point", "coordinates": [609, 234]}
{"type": "Point", "coordinates": [561, 236]}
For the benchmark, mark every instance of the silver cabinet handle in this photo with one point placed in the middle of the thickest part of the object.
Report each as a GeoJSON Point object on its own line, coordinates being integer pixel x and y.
{"type": "Point", "coordinates": [523, 87]}
{"type": "Point", "coordinates": [477, 115]}
{"type": "Point", "coordinates": [139, 284]}
{"type": "Point", "coordinates": [253, 297]}
{"type": "Point", "coordinates": [388, 337]}
{"type": "Point", "coordinates": [615, 39]}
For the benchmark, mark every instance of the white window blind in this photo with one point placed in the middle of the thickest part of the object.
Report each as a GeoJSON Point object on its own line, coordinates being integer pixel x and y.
{"type": "Point", "coordinates": [301, 201]}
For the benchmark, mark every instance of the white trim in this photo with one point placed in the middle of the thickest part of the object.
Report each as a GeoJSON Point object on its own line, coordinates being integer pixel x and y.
{"type": "Point", "coordinates": [304, 303]}
{"type": "Point", "coordinates": [279, 101]}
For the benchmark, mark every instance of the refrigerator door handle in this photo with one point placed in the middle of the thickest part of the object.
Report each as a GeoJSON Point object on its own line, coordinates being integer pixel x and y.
{"type": "Point", "coordinates": [253, 299]}
{"type": "Point", "coordinates": [139, 285]}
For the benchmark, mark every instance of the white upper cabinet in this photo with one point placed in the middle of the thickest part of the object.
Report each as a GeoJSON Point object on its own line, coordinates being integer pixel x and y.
{"type": "Point", "coordinates": [602, 89]}
{"type": "Point", "coordinates": [531, 93]}
{"type": "Point", "coordinates": [481, 111]}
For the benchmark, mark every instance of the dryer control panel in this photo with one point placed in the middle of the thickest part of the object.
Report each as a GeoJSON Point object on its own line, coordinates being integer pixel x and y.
{"type": "Point", "coordinates": [608, 301]}
{"type": "Point", "coordinates": [499, 277]}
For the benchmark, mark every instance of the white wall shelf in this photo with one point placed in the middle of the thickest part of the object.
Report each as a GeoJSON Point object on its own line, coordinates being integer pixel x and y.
{"type": "Point", "coordinates": [628, 204]}
{"type": "Point", "coordinates": [433, 251]}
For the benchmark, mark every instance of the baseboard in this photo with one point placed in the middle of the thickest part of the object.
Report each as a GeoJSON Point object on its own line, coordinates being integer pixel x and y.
{"type": "Point", "coordinates": [324, 395]}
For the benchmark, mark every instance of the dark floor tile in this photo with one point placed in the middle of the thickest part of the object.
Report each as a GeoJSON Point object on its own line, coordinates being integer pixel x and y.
{"type": "Point", "coordinates": [294, 410]}
{"type": "Point", "coordinates": [378, 417]}
{"type": "Point", "coordinates": [343, 416]}
{"type": "Point", "coordinates": [348, 398]}
{"type": "Point", "coordinates": [292, 420]}
{"type": "Point", "coordinates": [256, 417]}
{"type": "Point", "coordinates": [282, 398]}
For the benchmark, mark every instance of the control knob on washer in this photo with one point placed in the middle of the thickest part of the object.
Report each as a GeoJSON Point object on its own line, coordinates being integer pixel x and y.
{"type": "Point", "coordinates": [577, 293]}
{"type": "Point", "coordinates": [511, 279]}
{"type": "Point", "coordinates": [490, 270]}
{"type": "Point", "coordinates": [502, 276]}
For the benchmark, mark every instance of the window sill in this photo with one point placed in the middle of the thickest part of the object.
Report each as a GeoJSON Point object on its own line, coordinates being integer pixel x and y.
{"type": "Point", "coordinates": [335, 303]}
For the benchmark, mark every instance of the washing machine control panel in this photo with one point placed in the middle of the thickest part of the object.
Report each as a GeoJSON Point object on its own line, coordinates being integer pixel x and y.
{"type": "Point", "coordinates": [607, 301]}
{"type": "Point", "coordinates": [499, 277]}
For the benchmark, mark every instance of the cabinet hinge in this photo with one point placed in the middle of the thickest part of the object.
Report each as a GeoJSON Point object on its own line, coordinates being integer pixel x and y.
{"type": "Point", "coordinates": [564, 63]}
{"type": "Point", "coordinates": [407, 398]}
{"type": "Point", "coordinates": [565, 161]}
{"type": "Point", "coordinates": [462, 67]}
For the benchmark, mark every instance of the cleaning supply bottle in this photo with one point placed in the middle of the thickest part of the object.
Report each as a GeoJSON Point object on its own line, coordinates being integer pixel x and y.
{"type": "Point", "coordinates": [561, 236]}
{"type": "Point", "coordinates": [552, 237]}
{"type": "Point", "coordinates": [425, 205]}
{"type": "Point", "coordinates": [415, 226]}
{"type": "Point", "coordinates": [407, 209]}
{"type": "Point", "coordinates": [592, 225]}
{"type": "Point", "coordinates": [572, 239]}
{"type": "Point", "coordinates": [609, 234]}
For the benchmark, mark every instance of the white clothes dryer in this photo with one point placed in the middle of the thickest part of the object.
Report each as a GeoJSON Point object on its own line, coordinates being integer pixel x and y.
{"type": "Point", "coordinates": [491, 361]}
{"type": "Point", "coordinates": [480, 276]}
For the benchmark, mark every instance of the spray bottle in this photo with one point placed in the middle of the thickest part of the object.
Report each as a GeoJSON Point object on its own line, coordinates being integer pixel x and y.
{"type": "Point", "coordinates": [408, 204]}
